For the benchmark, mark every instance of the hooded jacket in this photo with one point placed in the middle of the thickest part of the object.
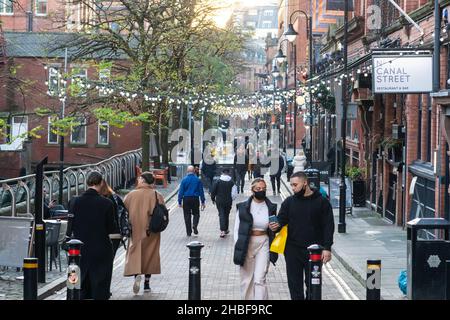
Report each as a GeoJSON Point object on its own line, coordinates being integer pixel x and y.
{"type": "Point", "coordinates": [222, 191]}
{"type": "Point", "coordinates": [310, 220]}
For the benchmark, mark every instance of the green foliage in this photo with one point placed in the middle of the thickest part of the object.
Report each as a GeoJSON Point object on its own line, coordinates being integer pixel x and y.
{"type": "Point", "coordinates": [389, 143]}
{"type": "Point", "coordinates": [355, 173]}
{"type": "Point", "coordinates": [324, 98]}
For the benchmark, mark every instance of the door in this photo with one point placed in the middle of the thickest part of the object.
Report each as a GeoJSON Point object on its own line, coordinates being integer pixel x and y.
{"type": "Point", "coordinates": [422, 204]}
{"type": "Point", "coordinates": [391, 199]}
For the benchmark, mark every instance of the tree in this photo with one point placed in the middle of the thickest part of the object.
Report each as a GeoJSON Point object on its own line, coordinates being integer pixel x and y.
{"type": "Point", "coordinates": [163, 51]}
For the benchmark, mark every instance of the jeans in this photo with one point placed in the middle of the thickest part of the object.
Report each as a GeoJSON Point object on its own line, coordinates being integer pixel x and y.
{"type": "Point", "coordinates": [276, 178]}
{"type": "Point", "coordinates": [240, 180]}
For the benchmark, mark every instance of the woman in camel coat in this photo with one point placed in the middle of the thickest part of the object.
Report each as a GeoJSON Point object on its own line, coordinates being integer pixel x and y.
{"type": "Point", "coordinates": [143, 251]}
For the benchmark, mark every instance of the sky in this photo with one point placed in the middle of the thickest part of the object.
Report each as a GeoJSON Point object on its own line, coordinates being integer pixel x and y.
{"type": "Point", "coordinates": [224, 14]}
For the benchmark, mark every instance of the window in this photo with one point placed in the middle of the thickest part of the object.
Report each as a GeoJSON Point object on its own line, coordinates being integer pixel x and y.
{"type": "Point", "coordinates": [78, 134]}
{"type": "Point", "coordinates": [19, 128]}
{"type": "Point", "coordinates": [268, 13]}
{"type": "Point", "coordinates": [53, 81]}
{"type": "Point", "coordinates": [52, 138]}
{"type": "Point", "coordinates": [267, 24]}
{"type": "Point", "coordinates": [103, 133]}
{"type": "Point", "coordinates": [41, 7]}
{"type": "Point", "coordinates": [103, 77]}
{"type": "Point", "coordinates": [79, 82]}
{"type": "Point", "coordinates": [251, 24]}
{"type": "Point", "coordinates": [6, 6]}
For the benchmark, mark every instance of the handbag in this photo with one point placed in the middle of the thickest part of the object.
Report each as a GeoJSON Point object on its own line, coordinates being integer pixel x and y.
{"type": "Point", "coordinates": [159, 218]}
{"type": "Point", "coordinates": [279, 242]}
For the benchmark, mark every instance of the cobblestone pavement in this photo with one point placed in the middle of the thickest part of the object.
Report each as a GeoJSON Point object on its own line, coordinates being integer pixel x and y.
{"type": "Point", "coordinates": [220, 277]}
{"type": "Point", "coordinates": [11, 287]}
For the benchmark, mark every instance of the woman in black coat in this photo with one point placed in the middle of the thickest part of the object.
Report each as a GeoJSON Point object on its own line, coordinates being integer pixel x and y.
{"type": "Point", "coordinates": [93, 222]}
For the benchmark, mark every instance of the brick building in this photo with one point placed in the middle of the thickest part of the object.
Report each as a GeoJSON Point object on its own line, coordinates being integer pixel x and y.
{"type": "Point", "coordinates": [28, 31]}
{"type": "Point", "coordinates": [398, 138]}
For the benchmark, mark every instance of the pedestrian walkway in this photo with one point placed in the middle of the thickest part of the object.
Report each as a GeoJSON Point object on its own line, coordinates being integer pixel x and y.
{"type": "Point", "coordinates": [370, 237]}
{"type": "Point", "coordinates": [219, 276]}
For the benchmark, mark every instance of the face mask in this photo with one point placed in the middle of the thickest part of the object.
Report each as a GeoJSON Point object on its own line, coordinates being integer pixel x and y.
{"type": "Point", "coordinates": [301, 193]}
{"type": "Point", "coordinates": [260, 195]}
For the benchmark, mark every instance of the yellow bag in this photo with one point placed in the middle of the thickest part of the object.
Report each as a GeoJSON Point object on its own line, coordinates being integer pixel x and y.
{"type": "Point", "coordinates": [279, 242]}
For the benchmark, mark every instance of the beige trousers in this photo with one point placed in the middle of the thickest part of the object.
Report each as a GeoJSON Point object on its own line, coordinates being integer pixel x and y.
{"type": "Point", "coordinates": [254, 271]}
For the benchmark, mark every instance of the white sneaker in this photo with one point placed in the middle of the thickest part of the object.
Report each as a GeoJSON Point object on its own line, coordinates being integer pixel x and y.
{"type": "Point", "coordinates": [137, 284]}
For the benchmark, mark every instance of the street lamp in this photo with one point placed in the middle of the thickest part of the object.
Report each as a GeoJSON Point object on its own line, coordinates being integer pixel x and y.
{"type": "Point", "coordinates": [342, 187]}
{"type": "Point", "coordinates": [280, 58]}
{"type": "Point", "coordinates": [291, 35]}
{"type": "Point", "coordinates": [275, 72]}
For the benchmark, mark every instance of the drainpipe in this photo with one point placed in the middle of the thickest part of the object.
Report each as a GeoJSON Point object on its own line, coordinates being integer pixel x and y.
{"type": "Point", "coordinates": [437, 46]}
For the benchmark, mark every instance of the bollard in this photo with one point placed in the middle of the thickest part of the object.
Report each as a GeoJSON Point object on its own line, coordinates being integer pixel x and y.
{"type": "Point", "coordinates": [30, 278]}
{"type": "Point", "coordinates": [315, 272]}
{"type": "Point", "coordinates": [195, 248]}
{"type": "Point", "coordinates": [373, 282]}
{"type": "Point", "coordinates": [73, 270]}
{"type": "Point", "coordinates": [447, 280]}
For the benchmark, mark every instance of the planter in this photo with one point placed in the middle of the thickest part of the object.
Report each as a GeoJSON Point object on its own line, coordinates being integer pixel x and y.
{"type": "Point", "coordinates": [359, 193]}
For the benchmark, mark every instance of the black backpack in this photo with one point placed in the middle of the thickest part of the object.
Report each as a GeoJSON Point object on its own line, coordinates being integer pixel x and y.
{"type": "Point", "coordinates": [123, 219]}
{"type": "Point", "coordinates": [159, 219]}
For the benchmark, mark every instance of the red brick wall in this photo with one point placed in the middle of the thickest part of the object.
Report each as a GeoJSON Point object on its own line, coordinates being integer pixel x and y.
{"type": "Point", "coordinates": [121, 140]}
{"type": "Point", "coordinates": [18, 21]}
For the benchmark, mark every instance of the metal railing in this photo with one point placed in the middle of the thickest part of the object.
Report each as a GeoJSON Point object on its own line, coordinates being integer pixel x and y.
{"type": "Point", "coordinates": [118, 171]}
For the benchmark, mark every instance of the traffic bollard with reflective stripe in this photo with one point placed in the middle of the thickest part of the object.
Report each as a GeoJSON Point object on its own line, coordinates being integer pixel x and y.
{"type": "Point", "coordinates": [373, 282]}
{"type": "Point", "coordinates": [315, 272]}
{"type": "Point", "coordinates": [30, 278]}
{"type": "Point", "coordinates": [195, 248]}
{"type": "Point", "coordinates": [73, 270]}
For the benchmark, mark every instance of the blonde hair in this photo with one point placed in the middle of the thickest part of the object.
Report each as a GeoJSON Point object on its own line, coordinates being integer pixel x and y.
{"type": "Point", "coordinates": [256, 181]}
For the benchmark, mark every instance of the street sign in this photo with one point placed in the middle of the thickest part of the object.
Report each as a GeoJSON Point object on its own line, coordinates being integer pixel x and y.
{"type": "Point", "coordinates": [334, 192]}
{"type": "Point", "coordinates": [402, 73]}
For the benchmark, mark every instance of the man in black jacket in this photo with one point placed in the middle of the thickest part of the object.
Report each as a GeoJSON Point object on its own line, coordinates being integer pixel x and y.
{"type": "Point", "coordinates": [310, 220]}
{"type": "Point", "coordinates": [93, 222]}
{"type": "Point", "coordinates": [275, 173]}
{"type": "Point", "coordinates": [222, 194]}
{"type": "Point", "coordinates": [241, 166]}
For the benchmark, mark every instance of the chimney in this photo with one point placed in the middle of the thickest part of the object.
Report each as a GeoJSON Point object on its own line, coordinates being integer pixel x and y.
{"type": "Point", "coordinates": [29, 21]}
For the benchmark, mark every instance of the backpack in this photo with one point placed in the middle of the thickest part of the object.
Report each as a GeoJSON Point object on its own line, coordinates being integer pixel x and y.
{"type": "Point", "coordinates": [159, 219]}
{"type": "Point", "coordinates": [123, 219]}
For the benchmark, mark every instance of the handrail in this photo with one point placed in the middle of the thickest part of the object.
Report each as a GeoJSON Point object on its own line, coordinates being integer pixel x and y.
{"type": "Point", "coordinates": [112, 169]}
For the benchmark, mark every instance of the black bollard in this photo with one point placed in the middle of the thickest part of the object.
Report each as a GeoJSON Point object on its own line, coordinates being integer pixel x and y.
{"type": "Point", "coordinates": [315, 272]}
{"type": "Point", "coordinates": [447, 280]}
{"type": "Point", "coordinates": [30, 278]}
{"type": "Point", "coordinates": [373, 282]}
{"type": "Point", "coordinates": [195, 248]}
{"type": "Point", "coordinates": [73, 270]}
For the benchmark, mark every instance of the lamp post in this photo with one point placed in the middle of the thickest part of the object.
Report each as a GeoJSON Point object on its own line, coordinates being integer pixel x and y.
{"type": "Point", "coordinates": [275, 75]}
{"type": "Point", "coordinates": [291, 35]}
{"type": "Point", "coordinates": [61, 141]}
{"type": "Point", "coordinates": [280, 58]}
{"type": "Point", "coordinates": [342, 187]}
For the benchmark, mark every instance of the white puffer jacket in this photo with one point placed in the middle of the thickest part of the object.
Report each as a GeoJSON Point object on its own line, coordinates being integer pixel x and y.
{"type": "Point", "coordinates": [299, 163]}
